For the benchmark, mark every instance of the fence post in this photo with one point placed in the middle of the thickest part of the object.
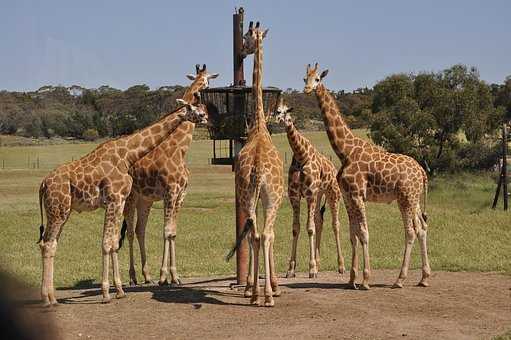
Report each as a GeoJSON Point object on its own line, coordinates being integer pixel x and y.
{"type": "Point", "coordinates": [38, 162]}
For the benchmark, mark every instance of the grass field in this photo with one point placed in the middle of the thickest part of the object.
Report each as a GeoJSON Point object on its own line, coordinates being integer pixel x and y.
{"type": "Point", "coordinates": [465, 234]}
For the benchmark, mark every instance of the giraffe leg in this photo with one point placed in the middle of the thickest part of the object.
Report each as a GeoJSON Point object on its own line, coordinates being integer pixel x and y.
{"type": "Point", "coordinates": [143, 211]}
{"type": "Point", "coordinates": [318, 223]}
{"type": "Point", "coordinates": [311, 230]}
{"type": "Point", "coordinates": [422, 235]}
{"type": "Point", "coordinates": [268, 292]}
{"type": "Point", "coordinates": [295, 203]}
{"type": "Point", "coordinates": [273, 273]}
{"type": "Point", "coordinates": [48, 245]}
{"type": "Point", "coordinates": [352, 217]}
{"type": "Point", "coordinates": [250, 274]}
{"type": "Point", "coordinates": [48, 251]}
{"type": "Point", "coordinates": [113, 214]}
{"type": "Point", "coordinates": [334, 209]}
{"type": "Point", "coordinates": [256, 243]}
{"type": "Point", "coordinates": [362, 233]}
{"type": "Point", "coordinates": [408, 214]}
{"type": "Point", "coordinates": [117, 276]}
{"type": "Point", "coordinates": [129, 218]}
{"type": "Point", "coordinates": [173, 269]}
{"type": "Point", "coordinates": [268, 238]}
{"type": "Point", "coordinates": [169, 235]}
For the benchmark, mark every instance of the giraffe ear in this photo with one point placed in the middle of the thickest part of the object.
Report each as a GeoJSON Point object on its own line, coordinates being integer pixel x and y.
{"type": "Point", "coordinates": [213, 76]}
{"type": "Point", "coordinates": [265, 32]}
{"type": "Point", "coordinates": [191, 76]}
{"type": "Point", "coordinates": [323, 74]}
{"type": "Point", "coordinates": [181, 101]}
{"type": "Point", "coordinates": [290, 109]}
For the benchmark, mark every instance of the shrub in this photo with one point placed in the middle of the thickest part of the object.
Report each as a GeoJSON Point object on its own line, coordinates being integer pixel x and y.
{"type": "Point", "coordinates": [90, 134]}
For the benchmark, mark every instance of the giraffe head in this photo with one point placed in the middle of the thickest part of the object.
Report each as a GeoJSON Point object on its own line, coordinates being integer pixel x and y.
{"type": "Point", "coordinates": [200, 80]}
{"type": "Point", "coordinates": [282, 115]}
{"type": "Point", "coordinates": [249, 39]}
{"type": "Point", "coordinates": [313, 78]}
{"type": "Point", "coordinates": [194, 113]}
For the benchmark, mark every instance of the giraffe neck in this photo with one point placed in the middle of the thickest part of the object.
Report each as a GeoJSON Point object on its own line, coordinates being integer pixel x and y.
{"type": "Point", "coordinates": [340, 136]}
{"type": "Point", "coordinates": [299, 144]}
{"type": "Point", "coordinates": [257, 85]}
{"type": "Point", "coordinates": [145, 140]}
{"type": "Point", "coordinates": [184, 136]}
{"type": "Point", "coordinates": [189, 95]}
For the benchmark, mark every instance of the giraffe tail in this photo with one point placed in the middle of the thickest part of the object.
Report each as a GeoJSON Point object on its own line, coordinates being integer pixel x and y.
{"type": "Point", "coordinates": [249, 225]}
{"type": "Point", "coordinates": [123, 233]}
{"type": "Point", "coordinates": [424, 197]}
{"type": "Point", "coordinates": [322, 210]}
{"type": "Point", "coordinates": [42, 188]}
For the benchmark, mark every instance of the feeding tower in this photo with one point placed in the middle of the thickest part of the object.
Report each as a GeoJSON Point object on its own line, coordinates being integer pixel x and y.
{"type": "Point", "coordinates": [230, 110]}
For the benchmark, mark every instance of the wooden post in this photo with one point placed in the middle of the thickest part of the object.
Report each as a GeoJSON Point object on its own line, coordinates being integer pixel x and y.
{"type": "Point", "coordinates": [239, 80]}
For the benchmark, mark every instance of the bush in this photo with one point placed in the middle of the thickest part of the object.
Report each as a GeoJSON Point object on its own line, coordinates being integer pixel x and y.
{"type": "Point", "coordinates": [90, 134]}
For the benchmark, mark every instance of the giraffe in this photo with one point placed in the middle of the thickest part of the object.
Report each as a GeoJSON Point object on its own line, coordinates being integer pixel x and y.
{"type": "Point", "coordinates": [99, 179]}
{"type": "Point", "coordinates": [258, 175]}
{"type": "Point", "coordinates": [312, 176]}
{"type": "Point", "coordinates": [369, 173]}
{"type": "Point", "coordinates": [162, 175]}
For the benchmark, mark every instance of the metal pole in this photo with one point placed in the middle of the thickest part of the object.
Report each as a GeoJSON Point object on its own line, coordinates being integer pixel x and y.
{"type": "Point", "coordinates": [239, 80]}
{"type": "Point", "coordinates": [504, 165]}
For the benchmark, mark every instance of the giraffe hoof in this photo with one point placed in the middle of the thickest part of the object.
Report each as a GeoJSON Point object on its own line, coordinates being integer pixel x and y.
{"type": "Point", "coordinates": [120, 295]}
{"type": "Point", "coordinates": [248, 293]}
{"type": "Point", "coordinates": [176, 282]}
{"type": "Point", "coordinates": [106, 300]}
{"type": "Point", "coordinates": [397, 285]}
{"type": "Point", "coordinates": [269, 302]}
{"type": "Point", "coordinates": [163, 283]}
{"type": "Point", "coordinates": [423, 283]}
{"type": "Point", "coordinates": [254, 300]}
{"type": "Point", "coordinates": [352, 285]}
{"type": "Point", "coordinates": [133, 283]}
{"type": "Point", "coordinates": [341, 270]}
{"type": "Point", "coordinates": [46, 304]}
{"type": "Point", "coordinates": [290, 274]}
{"type": "Point", "coordinates": [313, 275]}
{"type": "Point", "coordinates": [365, 286]}
{"type": "Point", "coordinates": [277, 292]}
{"type": "Point", "coordinates": [149, 282]}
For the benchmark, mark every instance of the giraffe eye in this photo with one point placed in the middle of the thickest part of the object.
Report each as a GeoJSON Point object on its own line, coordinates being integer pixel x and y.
{"type": "Point", "coordinates": [317, 79]}
{"type": "Point", "coordinates": [304, 80]}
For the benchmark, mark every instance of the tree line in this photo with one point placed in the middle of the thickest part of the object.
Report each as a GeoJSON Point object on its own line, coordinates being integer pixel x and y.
{"type": "Point", "coordinates": [448, 120]}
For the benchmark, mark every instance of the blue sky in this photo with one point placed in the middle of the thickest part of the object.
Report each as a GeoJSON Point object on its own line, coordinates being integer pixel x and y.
{"type": "Point", "coordinates": [123, 43]}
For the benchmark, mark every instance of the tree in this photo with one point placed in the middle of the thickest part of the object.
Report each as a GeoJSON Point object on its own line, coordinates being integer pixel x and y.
{"type": "Point", "coordinates": [433, 116]}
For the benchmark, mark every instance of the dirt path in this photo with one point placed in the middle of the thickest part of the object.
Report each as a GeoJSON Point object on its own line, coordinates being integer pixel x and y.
{"type": "Point", "coordinates": [456, 306]}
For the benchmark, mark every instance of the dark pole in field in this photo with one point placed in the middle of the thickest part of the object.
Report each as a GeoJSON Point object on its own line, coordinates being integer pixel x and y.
{"type": "Point", "coordinates": [503, 173]}
{"type": "Point", "coordinates": [504, 165]}
{"type": "Point", "coordinates": [239, 80]}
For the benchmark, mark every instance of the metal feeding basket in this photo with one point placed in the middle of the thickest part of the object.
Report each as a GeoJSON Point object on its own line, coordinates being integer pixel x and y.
{"type": "Point", "coordinates": [230, 109]}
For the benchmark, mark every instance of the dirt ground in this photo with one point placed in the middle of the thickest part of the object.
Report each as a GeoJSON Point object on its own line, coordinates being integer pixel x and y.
{"type": "Point", "coordinates": [456, 306]}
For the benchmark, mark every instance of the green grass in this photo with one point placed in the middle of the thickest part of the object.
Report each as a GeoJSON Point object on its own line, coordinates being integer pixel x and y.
{"type": "Point", "coordinates": [465, 234]}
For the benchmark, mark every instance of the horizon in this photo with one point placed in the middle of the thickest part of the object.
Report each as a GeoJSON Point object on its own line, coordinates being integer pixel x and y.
{"type": "Point", "coordinates": [126, 44]}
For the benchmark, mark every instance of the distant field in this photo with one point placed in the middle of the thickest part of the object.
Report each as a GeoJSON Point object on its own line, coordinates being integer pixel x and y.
{"type": "Point", "coordinates": [465, 234]}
